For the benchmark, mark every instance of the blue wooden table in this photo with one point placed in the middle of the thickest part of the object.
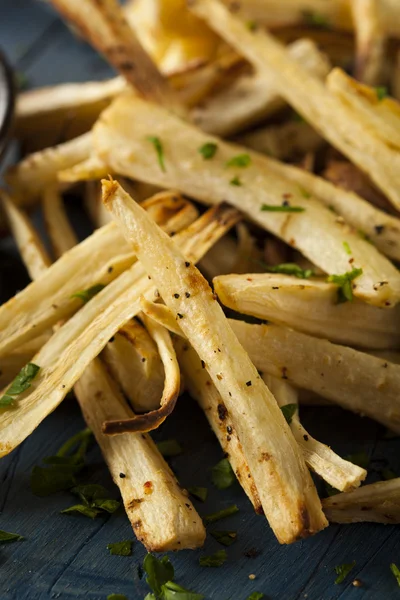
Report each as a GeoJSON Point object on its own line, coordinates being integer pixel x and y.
{"type": "Point", "coordinates": [65, 556]}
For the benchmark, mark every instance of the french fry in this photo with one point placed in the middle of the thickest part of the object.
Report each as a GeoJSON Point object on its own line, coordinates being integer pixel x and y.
{"type": "Point", "coordinates": [271, 452]}
{"type": "Point", "coordinates": [120, 139]}
{"type": "Point", "coordinates": [99, 259]}
{"type": "Point", "coordinates": [310, 306]}
{"type": "Point", "coordinates": [64, 358]}
{"type": "Point", "coordinates": [12, 364]}
{"type": "Point", "coordinates": [334, 119]}
{"type": "Point", "coordinates": [370, 41]}
{"type": "Point", "coordinates": [377, 502]}
{"type": "Point", "coordinates": [61, 234]}
{"type": "Point", "coordinates": [355, 380]}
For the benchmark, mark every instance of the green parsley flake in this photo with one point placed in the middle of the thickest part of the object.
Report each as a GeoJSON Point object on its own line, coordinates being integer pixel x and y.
{"type": "Point", "coordinates": [6, 537]}
{"type": "Point", "coordinates": [241, 160]}
{"type": "Point", "coordinates": [169, 448]}
{"type": "Point", "coordinates": [289, 410]}
{"type": "Point", "coordinates": [95, 501]}
{"type": "Point", "coordinates": [282, 208]}
{"type": "Point", "coordinates": [120, 548]}
{"type": "Point", "coordinates": [214, 560]}
{"type": "Point", "coordinates": [86, 295]}
{"type": "Point", "coordinates": [343, 570]}
{"type": "Point", "coordinates": [251, 25]}
{"type": "Point", "coordinates": [381, 92]}
{"type": "Point", "coordinates": [255, 596]}
{"type": "Point", "coordinates": [396, 572]}
{"type": "Point", "coordinates": [173, 591]}
{"type": "Point", "coordinates": [199, 492]}
{"type": "Point", "coordinates": [347, 247]}
{"type": "Point", "coordinates": [344, 283]}
{"type": "Point", "coordinates": [315, 19]}
{"type": "Point", "coordinates": [21, 383]}
{"type": "Point", "coordinates": [226, 538]}
{"type": "Point", "coordinates": [236, 181]}
{"type": "Point", "coordinates": [290, 269]}
{"type": "Point", "coordinates": [222, 475]}
{"type": "Point", "coordinates": [304, 192]}
{"type": "Point", "coordinates": [159, 150]}
{"type": "Point", "coordinates": [117, 597]}
{"type": "Point", "coordinates": [158, 571]}
{"type": "Point", "coordinates": [208, 150]}
{"type": "Point", "coordinates": [221, 514]}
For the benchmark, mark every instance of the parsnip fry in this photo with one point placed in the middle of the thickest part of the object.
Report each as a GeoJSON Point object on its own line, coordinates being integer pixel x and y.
{"type": "Point", "coordinates": [202, 389]}
{"type": "Point", "coordinates": [355, 380]}
{"type": "Point", "coordinates": [335, 120]}
{"type": "Point", "coordinates": [341, 474]}
{"type": "Point", "coordinates": [120, 138]}
{"type": "Point", "coordinates": [64, 358]}
{"type": "Point", "coordinates": [60, 231]}
{"type": "Point", "coordinates": [310, 306]}
{"type": "Point", "coordinates": [163, 519]}
{"type": "Point", "coordinates": [370, 41]}
{"type": "Point", "coordinates": [271, 452]}
{"type": "Point", "coordinates": [161, 314]}
{"type": "Point", "coordinates": [153, 419]}
{"type": "Point", "coordinates": [97, 260]}
{"type": "Point", "coordinates": [12, 364]}
{"type": "Point", "coordinates": [378, 503]}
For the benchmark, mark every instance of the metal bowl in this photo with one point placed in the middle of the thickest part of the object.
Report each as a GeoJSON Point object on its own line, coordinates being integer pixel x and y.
{"type": "Point", "coordinates": [7, 99]}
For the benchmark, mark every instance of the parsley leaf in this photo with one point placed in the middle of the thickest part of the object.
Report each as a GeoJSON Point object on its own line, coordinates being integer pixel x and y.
{"type": "Point", "coordinates": [221, 514]}
{"type": "Point", "coordinates": [199, 492]}
{"type": "Point", "coordinates": [222, 475]}
{"type": "Point", "coordinates": [214, 560]}
{"type": "Point", "coordinates": [282, 208]}
{"type": "Point", "coordinates": [241, 160]}
{"type": "Point", "coordinates": [344, 283]}
{"type": "Point", "coordinates": [381, 92]}
{"type": "Point", "coordinates": [236, 181]}
{"type": "Point", "coordinates": [343, 570]}
{"type": "Point", "coordinates": [305, 193]}
{"type": "Point", "coordinates": [159, 150]}
{"type": "Point", "coordinates": [289, 410]}
{"type": "Point", "coordinates": [82, 509]}
{"type": "Point", "coordinates": [95, 501]}
{"type": "Point", "coordinates": [158, 571]}
{"type": "Point", "coordinates": [6, 537]}
{"type": "Point", "coordinates": [20, 384]}
{"type": "Point", "coordinates": [226, 538]}
{"type": "Point", "coordinates": [208, 150]}
{"type": "Point", "coordinates": [290, 269]}
{"type": "Point", "coordinates": [169, 448]}
{"type": "Point", "coordinates": [86, 295]}
{"type": "Point", "coordinates": [347, 247]}
{"type": "Point", "coordinates": [173, 591]}
{"type": "Point", "coordinates": [120, 548]}
{"type": "Point", "coordinates": [315, 19]}
{"type": "Point", "coordinates": [255, 596]}
{"type": "Point", "coordinates": [117, 597]}
{"type": "Point", "coordinates": [396, 572]}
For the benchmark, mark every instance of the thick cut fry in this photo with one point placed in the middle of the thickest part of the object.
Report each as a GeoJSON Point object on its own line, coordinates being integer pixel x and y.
{"type": "Point", "coordinates": [153, 419]}
{"type": "Point", "coordinates": [199, 385]}
{"type": "Point", "coordinates": [355, 380]}
{"type": "Point", "coordinates": [26, 237]}
{"type": "Point", "coordinates": [334, 119]}
{"type": "Point", "coordinates": [163, 519]}
{"type": "Point", "coordinates": [341, 474]}
{"type": "Point", "coordinates": [60, 231]}
{"type": "Point", "coordinates": [97, 260]}
{"type": "Point", "coordinates": [310, 306]}
{"type": "Point", "coordinates": [64, 358]}
{"type": "Point", "coordinates": [272, 454]}
{"type": "Point", "coordinates": [120, 139]}
{"type": "Point", "coordinates": [370, 41]}
{"type": "Point", "coordinates": [378, 503]}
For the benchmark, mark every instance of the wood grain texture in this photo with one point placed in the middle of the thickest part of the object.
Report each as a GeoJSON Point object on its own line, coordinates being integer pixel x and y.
{"type": "Point", "coordinates": [66, 556]}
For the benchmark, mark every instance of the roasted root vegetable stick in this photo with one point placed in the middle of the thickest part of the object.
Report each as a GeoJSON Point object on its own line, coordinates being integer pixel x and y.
{"type": "Point", "coordinates": [121, 139]}
{"type": "Point", "coordinates": [287, 494]}
{"type": "Point", "coordinates": [371, 40]}
{"type": "Point", "coordinates": [310, 306]}
{"type": "Point", "coordinates": [61, 234]}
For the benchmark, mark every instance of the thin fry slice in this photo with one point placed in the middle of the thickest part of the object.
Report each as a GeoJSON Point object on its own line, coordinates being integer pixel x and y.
{"type": "Point", "coordinates": [161, 314]}
{"type": "Point", "coordinates": [378, 503]}
{"type": "Point", "coordinates": [60, 231]}
{"type": "Point", "coordinates": [270, 450]}
{"type": "Point", "coordinates": [162, 516]}
{"type": "Point", "coordinates": [310, 306]}
{"type": "Point", "coordinates": [120, 138]}
{"type": "Point", "coordinates": [370, 41]}
{"type": "Point", "coordinates": [153, 419]}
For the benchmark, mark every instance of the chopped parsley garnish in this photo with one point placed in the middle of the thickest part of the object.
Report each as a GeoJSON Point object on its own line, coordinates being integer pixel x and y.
{"type": "Point", "coordinates": [236, 181]}
{"type": "Point", "coordinates": [214, 560]}
{"type": "Point", "coordinates": [396, 572]}
{"type": "Point", "coordinates": [174, 591]}
{"type": "Point", "coordinates": [208, 150]}
{"type": "Point", "coordinates": [347, 247]}
{"type": "Point", "coordinates": [117, 597]}
{"type": "Point", "coordinates": [315, 19]}
{"type": "Point", "coordinates": [160, 575]}
{"type": "Point", "coordinates": [221, 514]}
{"type": "Point", "coordinates": [95, 501]}
{"type": "Point", "coordinates": [290, 269]}
{"type": "Point", "coordinates": [241, 160]}
{"type": "Point", "coordinates": [120, 548]}
{"type": "Point", "coordinates": [361, 459]}
{"type": "Point", "coordinates": [21, 383]}
{"type": "Point", "coordinates": [282, 208]}
{"type": "Point", "coordinates": [381, 92]}
{"type": "Point", "coordinates": [255, 596]}
{"type": "Point", "coordinates": [6, 537]}
{"type": "Point", "coordinates": [86, 295]}
{"type": "Point", "coordinates": [343, 570]}
{"type": "Point", "coordinates": [226, 538]}
{"type": "Point", "coordinates": [199, 492]}
{"type": "Point", "coordinates": [222, 475]}
{"type": "Point", "coordinates": [251, 25]}
{"type": "Point", "coordinates": [159, 150]}
{"type": "Point", "coordinates": [169, 448]}
{"type": "Point", "coordinates": [304, 192]}
{"type": "Point", "coordinates": [344, 283]}
{"type": "Point", "coordinates": [289, 410]}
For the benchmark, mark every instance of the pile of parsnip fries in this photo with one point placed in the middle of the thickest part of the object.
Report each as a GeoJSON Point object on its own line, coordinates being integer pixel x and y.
{"type": "Point", "coordinates": [202, 113]}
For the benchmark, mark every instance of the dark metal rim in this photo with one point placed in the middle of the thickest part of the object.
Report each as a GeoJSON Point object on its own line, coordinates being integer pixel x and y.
{"type": "Point", "coordinates": [5, 125]}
